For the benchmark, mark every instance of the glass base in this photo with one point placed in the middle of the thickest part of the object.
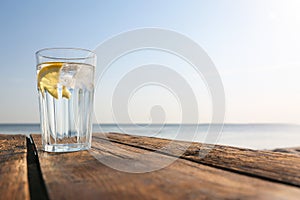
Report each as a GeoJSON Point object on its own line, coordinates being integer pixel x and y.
{"type": "Point", "coordinates": [65, 147]}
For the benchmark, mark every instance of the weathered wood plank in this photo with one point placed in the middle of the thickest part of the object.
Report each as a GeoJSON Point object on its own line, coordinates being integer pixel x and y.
{"type": "Point", "coordinates": [266, 164]}
{"type": "Point", "coordinates": [292, 150]}
{"type": "Point", "coordinates": [13, 167]}
{"type": "Point", "coordinates": [80, 175]}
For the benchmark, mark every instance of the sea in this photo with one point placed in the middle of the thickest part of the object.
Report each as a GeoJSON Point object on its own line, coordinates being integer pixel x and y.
{"type": "Point", "coordinates": [253, 136]}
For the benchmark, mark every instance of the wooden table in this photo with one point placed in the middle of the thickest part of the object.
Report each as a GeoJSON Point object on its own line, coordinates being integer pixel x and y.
{"type": "Point", "coordinates": [26, 172]}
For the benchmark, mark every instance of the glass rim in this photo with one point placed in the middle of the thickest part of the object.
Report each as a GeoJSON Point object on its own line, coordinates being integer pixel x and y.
{"type": "Point", "coordinates": [40, 53]}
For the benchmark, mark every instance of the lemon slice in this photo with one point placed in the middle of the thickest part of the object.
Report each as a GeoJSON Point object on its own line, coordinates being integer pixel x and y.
{"type": "Point", "coordinates": [48, 79]}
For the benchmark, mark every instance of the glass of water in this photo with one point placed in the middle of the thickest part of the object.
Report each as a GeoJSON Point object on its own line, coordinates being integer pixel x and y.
{"type": "Point", "coordinates": [65, 82]}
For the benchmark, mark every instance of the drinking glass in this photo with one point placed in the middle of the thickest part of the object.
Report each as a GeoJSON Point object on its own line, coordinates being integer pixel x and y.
{"type": "Point", "coordinates": [65, 82]}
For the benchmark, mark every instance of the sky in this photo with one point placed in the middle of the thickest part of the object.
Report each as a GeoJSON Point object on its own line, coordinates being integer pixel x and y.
{"type": "Point", "coordinates": [254, 44]}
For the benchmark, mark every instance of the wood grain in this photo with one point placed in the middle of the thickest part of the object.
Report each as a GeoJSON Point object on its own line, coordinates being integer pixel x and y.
{"type": "Point", "coordinates": [275, 166]}
{"type": "Point", "coordinates": [82, 174]}
{"type": "Point", "coordinates": [292, 150]}
{"type": "Point", "coordinates": [13, 167]}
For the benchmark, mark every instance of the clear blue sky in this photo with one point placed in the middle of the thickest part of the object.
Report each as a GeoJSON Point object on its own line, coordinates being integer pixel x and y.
{"type": "Point", "coordinates": [255, 44]}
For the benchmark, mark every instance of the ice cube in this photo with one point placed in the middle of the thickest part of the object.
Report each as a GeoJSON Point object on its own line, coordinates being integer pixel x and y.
{"type": "Point", "coordinates": [84, 78]}
{"type": "Point", "coordinates": [68, 74]}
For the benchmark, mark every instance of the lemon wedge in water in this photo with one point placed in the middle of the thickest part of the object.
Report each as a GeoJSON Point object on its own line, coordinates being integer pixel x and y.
{"type": "Point", "coordinates": [48, 79]}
